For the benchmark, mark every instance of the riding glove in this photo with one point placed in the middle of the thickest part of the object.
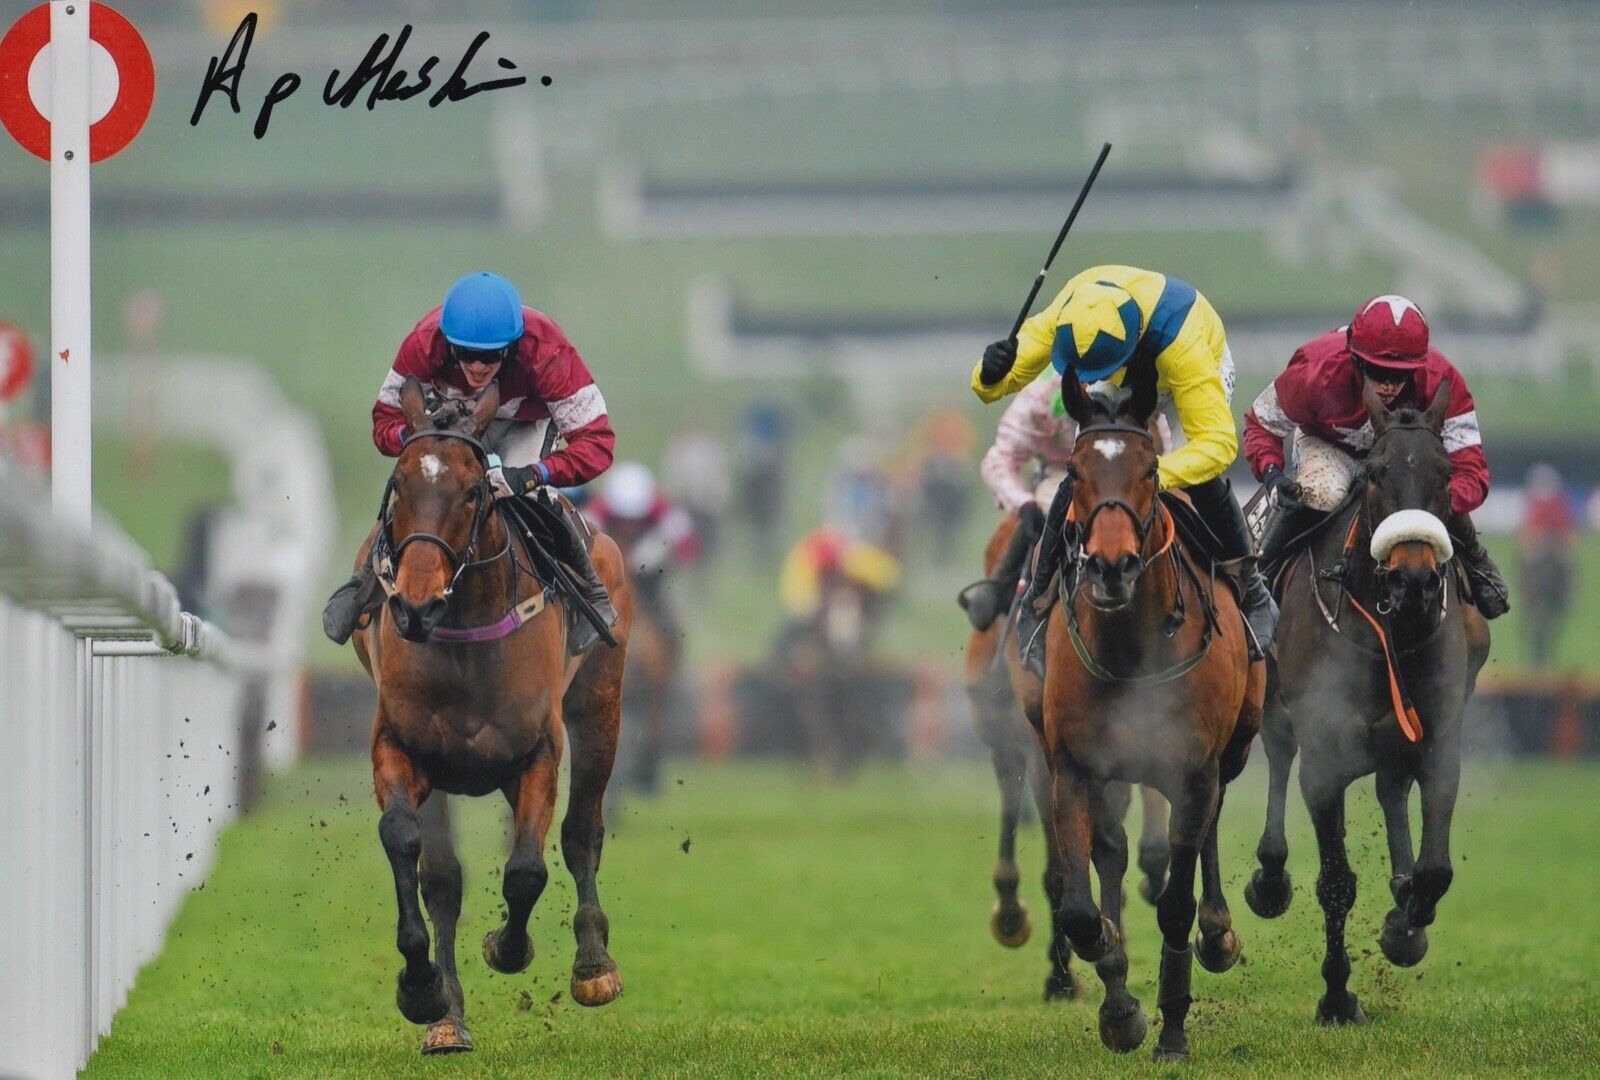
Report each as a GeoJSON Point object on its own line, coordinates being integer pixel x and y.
{"type": "Point", "coordinates": [508, 481]}
{"type": "Point", "coordinates": [1284, 490]}
{"type": "Point", "coordinates": [998, 359]}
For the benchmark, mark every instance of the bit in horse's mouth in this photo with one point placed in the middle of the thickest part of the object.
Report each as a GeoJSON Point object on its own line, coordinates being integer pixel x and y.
{"type": "Point", "coordinates": [1103, 603]}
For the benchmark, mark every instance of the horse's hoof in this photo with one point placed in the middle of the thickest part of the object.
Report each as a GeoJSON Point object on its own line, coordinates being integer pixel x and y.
{"type": "Point", "coordinates": [1178, 1051]}
{"type": "Point", "coordinates": [1268, 894]}
{"type": "Point", "coordinates": [1218, 953]}
{"type": "Point", "coordinates": [1404, 945]}
{"type": "Point", "coordinates": [1061, 986]}
{"type": "Point", "coordinates": [599, 989]}
{"type": "Point", "coordinates": [1150, 889]}
{"type": "Point", "coordinates": [1123, 1032]}
{"type": "Point", "coordinates": [506, 965]}
{"type": "Point", "coordinates": [447, 1037]}
{"type": "Point", "coordinates": [1011, 924]}
{"type": "Point", "coordinates": [1346, 1011]}
{"type": "Point", "coordinates": [425, 1003]}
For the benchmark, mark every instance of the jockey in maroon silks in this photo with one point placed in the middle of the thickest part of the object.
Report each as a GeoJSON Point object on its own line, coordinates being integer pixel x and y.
{"type": "Point", "coordinates": [1311, 421]}
{"type": "Point", "coordinates": [551, 429]}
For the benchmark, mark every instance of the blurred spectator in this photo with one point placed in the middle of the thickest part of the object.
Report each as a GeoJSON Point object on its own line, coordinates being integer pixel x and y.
{"type": "Point", "coordinates": [695, 471]}
{"type": "Point", "coordinates": [944, 442]}
{"type": "Point", "coordinates": [23, 440]}
{"type": "Point", "coordinates": [762, 457]}
{"type": "Point", "coordinates": [1546, 541]}
{"type": "Point", "coordinates": [860, 499]}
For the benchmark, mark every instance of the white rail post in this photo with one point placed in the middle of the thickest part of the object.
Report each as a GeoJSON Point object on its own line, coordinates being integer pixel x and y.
{"type": "Point", "coordinates": [69, 260]}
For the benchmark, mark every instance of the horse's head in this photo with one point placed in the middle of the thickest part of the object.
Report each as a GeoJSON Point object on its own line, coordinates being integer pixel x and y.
{"type": "Point", "coordinates": [440, 499]}
{"type": "Point", "coordinates": [1113, 469]}
{"type": "Point", "coordinates": [1407, 499]}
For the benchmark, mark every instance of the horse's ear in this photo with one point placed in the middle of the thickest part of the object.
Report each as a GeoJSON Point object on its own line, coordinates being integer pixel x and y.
{"type": "Point", "coordinates": [1143, 405]}
{"type": "Point", "coordinates": [1437, 408]}
{"type": "Point", "coordinates": [414, 404]}
{"type": "Point", "coordinates": [483, 412]}
{"type": "Point", "coordinates": [1377, 411]}
{"type": "Point", "coordinates": [1075, 398]}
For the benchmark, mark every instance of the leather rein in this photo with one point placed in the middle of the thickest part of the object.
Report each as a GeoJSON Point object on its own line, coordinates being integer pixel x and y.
{"type": "Point", "coordinates": [463, 560]}
{"type": "Point", "coordinates": [1144, 527]}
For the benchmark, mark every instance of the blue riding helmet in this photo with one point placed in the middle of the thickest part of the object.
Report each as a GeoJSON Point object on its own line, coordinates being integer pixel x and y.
{"type": "Point", "coordinates": [482, 311]}
{"type": "Point", "coordinates": [1097, 332]}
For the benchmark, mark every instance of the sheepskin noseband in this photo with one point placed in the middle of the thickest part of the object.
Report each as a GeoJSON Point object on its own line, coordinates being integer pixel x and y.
{"type": "Point", "coordinates": [1406, 525]}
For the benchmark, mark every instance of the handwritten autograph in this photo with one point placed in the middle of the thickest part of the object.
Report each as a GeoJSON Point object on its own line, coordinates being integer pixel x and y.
{"type": "Point", "coordinates": [378, 73]}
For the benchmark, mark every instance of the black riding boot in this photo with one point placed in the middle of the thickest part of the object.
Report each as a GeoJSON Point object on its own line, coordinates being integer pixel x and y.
{"type": "Point", "coordinates": [584, 632]}
{"type": "Point", "coordinates": [349, 602]}
{"type": "Point", "coordinates": [1286, 526]}
{"type": "Point", "coordinates": [985, 600]}
{"type": "Point", "coordinates": [1214, 499]}
{"type": "Point", "coordinates": [1489, 590]}
{"type": "Point", "coordinates": [1033, 611]}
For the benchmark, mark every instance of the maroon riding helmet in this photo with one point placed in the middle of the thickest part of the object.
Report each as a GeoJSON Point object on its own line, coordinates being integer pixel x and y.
{"type": "Point", "coordinates": [1389, 331]}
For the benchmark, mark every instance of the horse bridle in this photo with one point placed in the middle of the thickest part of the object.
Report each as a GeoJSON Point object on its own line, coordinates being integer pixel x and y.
{"type": "Point", "coordinates": [460, 561]}
{"type": "Point", "coordinates": [1382, 571]}
{"type": "Point", "coordinates": [1142, 525]}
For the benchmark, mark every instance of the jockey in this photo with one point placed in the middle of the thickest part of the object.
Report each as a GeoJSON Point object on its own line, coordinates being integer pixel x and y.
{"type": "Point", "coordinates": [482, 335]}
{"type": "Point", "coordinates": [1033, 428]}
{"type": "Point", "coordinates": [827, 554]}
{"type": "Point", "coordinates": [1130, 325]}
{"type": "Point", "coordinates": [653, 533]}
{"type": "Point", "coordinates": [1317, 400]}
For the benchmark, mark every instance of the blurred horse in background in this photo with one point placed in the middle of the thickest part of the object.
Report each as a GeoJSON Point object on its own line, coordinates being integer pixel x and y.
{"type": "Point", "coordinates": [476, 693]}
{"type": "Point", "coordinates": [997, 691]}
{"type": "Point", "coordinates": [1377, 651]}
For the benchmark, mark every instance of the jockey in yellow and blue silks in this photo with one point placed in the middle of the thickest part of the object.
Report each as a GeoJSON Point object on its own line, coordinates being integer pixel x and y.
{"type": "Point", "coordinates": [1121, 323]}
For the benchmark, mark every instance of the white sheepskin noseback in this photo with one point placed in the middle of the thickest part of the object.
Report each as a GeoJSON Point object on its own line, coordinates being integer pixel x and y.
{"type": "Point", "coordinates": [1405, 525]}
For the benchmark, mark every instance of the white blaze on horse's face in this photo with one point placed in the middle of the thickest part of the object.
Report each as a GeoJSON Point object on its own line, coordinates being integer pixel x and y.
{"type": "Point", "coordinates": [432, 468]}
{"type": "Point", "coordinates": [1109, 448]}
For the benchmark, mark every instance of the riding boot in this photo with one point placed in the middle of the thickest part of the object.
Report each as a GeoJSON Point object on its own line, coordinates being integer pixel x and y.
{"type": "Point", "coordinates": [1286, 527]}
{"type": "Point", "coordinates": [584, 632]}
{"type": "Point", "coordinates": [1214, 499]}
{"type": "Point", "coordinates": [1489, 592]}
{"type": "Point", "coordinates": [349, 602]}
{"type": "Point", "coordinates": [986, 599]}
{"type": "Point", "coordinates": [1033, 611]}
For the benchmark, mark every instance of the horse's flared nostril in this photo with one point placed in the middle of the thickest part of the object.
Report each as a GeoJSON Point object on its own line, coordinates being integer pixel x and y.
{"type": "Point", "coordinates": [431, 613]}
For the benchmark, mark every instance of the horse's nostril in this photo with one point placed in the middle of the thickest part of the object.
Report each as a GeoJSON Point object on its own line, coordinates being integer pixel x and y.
{"type": "Point", "coordinates": [1128, 565]}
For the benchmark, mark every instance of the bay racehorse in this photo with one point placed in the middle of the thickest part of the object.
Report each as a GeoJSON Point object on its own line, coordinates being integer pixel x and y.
{"type": "Point", "coordinates": [476, 693]}
{"type": "Point", "coordinates": [1376, 655]}
{"type": "Point", "coordinates": [1148, 679]}
{"type": "Point", "coordinates": [997, 692]}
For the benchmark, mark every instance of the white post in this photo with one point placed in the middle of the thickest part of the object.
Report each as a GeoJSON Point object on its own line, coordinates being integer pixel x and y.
{"type": "Point", "coordinates": [69, 260]}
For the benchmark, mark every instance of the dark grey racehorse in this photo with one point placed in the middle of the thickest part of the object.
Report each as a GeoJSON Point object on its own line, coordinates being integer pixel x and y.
{"type": "Point", "coordinates": [1332, 698]}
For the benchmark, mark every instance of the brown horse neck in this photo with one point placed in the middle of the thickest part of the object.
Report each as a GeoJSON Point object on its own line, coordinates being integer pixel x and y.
{"type": "Point", "coordinates": [486, 591]}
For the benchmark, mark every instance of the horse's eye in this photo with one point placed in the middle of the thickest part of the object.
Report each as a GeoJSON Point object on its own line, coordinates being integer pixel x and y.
{"type": "Point", "coordinates": [473, 494]}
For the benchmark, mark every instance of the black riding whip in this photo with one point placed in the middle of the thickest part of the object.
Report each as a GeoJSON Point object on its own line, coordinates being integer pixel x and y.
{"type": "Point", "coordinates": [1033, 293]}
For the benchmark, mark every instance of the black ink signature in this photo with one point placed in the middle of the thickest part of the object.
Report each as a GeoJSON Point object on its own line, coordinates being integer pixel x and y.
{"type": "Point", "coordinates": [379, 73]}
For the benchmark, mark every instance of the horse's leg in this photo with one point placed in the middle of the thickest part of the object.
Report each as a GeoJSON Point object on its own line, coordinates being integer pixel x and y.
{"type": "Point", "coordinates": [1060, 983]}
{"type": "Point", "coordinates": [996, 719]}
{"type": "Point", "coordinates": [1269, 890]}
{"type": "Point", "coordinates": [1192, 812]}
{"type": "Point", "coordinates": [1091, 933]}
{"type": "Point", "coordinates": [532, 796]}
{"type": "Point", "coordinates": [1336, 892]}
{"type": "Point", "coordinates": [593, 708]}
{"type": "Point", "coordinates": [440, 875]}
{"type": "Point", "coordinates": [1439, 778]}
{"type": "Point", "coordinates": [421, 992]}
{"type": "Point", "coordinates": [1401, 942]}
{"type": "Point", "coordinates": [1154, 851]}
{"type": "Point", "coordinates": [1122, 1022]}
{"type": "Point", "coordinates": [1216, 944]}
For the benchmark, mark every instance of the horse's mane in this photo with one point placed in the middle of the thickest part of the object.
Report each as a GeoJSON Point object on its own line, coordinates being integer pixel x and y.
{"type": "Point", "coordinates": [451, 416]}
{"type": "Point", "coordinates": [1407, 415]}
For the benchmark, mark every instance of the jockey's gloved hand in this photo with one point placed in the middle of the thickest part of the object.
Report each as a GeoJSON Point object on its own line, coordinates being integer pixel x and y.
{"type": "Point", "coordinates": [1285, 490]}
{"type": "Point", "coordinates": [997, 361]}
{"type": "Point", "coordinates": [1032, 516]}
{"type": "Point", "coordinates": [509, 481]}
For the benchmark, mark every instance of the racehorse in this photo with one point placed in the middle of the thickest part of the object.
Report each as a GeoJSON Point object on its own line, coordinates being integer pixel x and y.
{"type": "Point", "coordinates": [474, 698]}
{"type": "Point", "coordinates": [995, 692]}
{"type": "Point", "coordinates": [656, 655]}
{"type": "Point", "coordinates": [1376, 655]}
{"type": "Point", "coordinates": [1148, 679]}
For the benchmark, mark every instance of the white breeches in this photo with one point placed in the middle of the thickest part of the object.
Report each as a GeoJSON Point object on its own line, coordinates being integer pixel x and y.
{"type": "Point", "coordinates": [1323, 471]}
{"type": "Point", "coordinates": [518, 442]}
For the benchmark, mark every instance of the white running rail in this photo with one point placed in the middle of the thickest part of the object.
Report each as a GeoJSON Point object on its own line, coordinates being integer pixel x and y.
{"type": "Point", "coordinates": [120, 745]}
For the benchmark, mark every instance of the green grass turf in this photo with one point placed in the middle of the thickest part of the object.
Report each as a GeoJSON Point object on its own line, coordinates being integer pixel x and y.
{"type": "Point", "coordinates": [842, 930]}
